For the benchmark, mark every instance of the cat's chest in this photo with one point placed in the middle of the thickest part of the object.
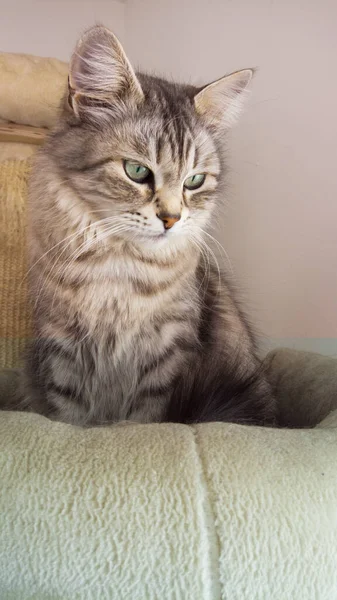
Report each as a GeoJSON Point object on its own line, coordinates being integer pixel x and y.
{"type": "Point", "coordinates": [128, 299]}
{"type": "Point", "coordinates": [134, 351]}
{"type": "Point", "coordinates": [134, 326]}
{"type": "Point", "coordinates": [119, 307]}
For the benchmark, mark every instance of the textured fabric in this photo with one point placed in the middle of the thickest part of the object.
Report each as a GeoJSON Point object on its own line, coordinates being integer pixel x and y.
{"type": "Point", "coordinates": [16, 151]}
{"type": "Point", "coordinates": [14, 318]}
{"type": "Point", "coordinates": [273, 494]}
{"type": "Point", "coordinates": [166, 512]}
{"type": "Point", "coordinates": [31, 88]}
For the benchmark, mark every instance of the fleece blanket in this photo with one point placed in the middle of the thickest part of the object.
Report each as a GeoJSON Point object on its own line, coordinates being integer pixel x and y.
{"type": "Point", "coordinates": [135, 512]}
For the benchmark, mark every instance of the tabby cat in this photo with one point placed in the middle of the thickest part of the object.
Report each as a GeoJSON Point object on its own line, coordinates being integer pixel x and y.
{"type": "Point", "coordinates": [132, 320]}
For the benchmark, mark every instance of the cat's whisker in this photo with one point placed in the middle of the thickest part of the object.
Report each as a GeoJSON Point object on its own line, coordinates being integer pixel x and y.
{"type": "Point", "coordinates": [86, 244]}
{"type": "Point", "coordinates": [71, 236]}
{"type": "Point", "coordinates": [208, 249]}
{"type": "Point", "coordinates": [106, 231]}
{"type": "Point", "coordinates": [219, 246]}
{"type": "Point", "coordinates": [195, 241]}
{"type": "Point", "coordinates": [71, 239]}
{"type": "Point", "coordinates": [85, 247]}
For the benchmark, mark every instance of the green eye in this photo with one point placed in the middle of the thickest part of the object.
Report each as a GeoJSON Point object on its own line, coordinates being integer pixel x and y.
{"type": "Point", "coordinates": [136, 172]}
{"type": "Point", "coordinates": [195, 181]}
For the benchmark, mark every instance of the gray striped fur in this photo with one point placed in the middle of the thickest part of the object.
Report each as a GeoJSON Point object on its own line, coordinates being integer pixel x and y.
{"type": "Point", "coordinates": [124, 311]}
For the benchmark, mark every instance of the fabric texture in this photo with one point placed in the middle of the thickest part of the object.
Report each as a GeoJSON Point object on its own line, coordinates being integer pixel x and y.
{"type": "Point", "coordinates": [14, 314]}
{"type": "Point", "coordinates": [16, 151]}
{"type": "Point", "coordinates": [166, 512]}
{"type": "Point", "coordinates": [31, 88]}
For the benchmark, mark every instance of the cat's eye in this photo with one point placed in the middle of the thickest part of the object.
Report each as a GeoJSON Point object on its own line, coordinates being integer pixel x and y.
{"type": "Point", "coordinates": [195, 181]}
{"type": "Point", "coordinates": [136, 171]}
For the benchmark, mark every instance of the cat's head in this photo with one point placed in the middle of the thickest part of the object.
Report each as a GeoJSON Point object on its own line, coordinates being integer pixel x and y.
{"type": "Point", "coordinates": [143, 153]}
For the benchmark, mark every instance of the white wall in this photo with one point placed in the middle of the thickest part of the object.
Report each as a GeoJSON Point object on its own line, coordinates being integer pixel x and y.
{"type": "Point", "coordinates": [51, 27]}
{"type": "Point", "coordinates": [281, 228]}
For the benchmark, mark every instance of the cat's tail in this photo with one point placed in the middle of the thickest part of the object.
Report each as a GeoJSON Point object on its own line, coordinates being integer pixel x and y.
{"type": "Point", "coordinates": [215, 391]}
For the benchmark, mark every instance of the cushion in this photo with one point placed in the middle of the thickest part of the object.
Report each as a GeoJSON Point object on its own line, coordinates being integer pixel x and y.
{"type": "Point", "coordinates": [166, 511]}
{"type": "Point", "coordinates": [31, 88]}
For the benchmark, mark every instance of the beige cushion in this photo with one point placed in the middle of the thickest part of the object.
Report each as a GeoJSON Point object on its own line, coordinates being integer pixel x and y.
{"type": "Point", "coordinates": [31, 88]}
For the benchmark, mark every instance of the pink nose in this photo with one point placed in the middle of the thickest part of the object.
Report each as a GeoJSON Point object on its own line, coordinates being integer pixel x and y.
{"type": "Point", "coordinates": [168, 219]}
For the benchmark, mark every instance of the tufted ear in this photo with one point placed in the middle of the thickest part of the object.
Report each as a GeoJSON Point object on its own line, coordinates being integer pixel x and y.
{"type": "Point", "coordinates": [100, 74]}
{"type": "Point", "coordinates": [221, 102]}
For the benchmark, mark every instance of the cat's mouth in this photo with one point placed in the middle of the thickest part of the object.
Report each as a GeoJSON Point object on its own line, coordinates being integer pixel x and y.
{"type": "Point", "coordinates": [157, 237]}
{"type": "Point", "coordinates": [162, 237]}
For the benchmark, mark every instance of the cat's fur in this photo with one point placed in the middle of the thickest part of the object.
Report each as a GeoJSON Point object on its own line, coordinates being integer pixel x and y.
{"type": "Point", "coordinates": [131, 321]}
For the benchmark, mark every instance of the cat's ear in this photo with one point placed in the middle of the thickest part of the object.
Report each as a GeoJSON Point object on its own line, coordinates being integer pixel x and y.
{"type": "Point", "coordinates": [221, 102]}
{"type": "Point", "coordinates": [100, 74]}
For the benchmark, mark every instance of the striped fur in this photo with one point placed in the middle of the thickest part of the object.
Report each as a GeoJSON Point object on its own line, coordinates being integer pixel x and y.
{"type": "Point", "coordinates": [132, 320]}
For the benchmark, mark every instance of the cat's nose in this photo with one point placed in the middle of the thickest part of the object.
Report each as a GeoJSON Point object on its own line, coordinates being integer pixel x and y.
{"type": "Point", "coordinates": [168, 219]}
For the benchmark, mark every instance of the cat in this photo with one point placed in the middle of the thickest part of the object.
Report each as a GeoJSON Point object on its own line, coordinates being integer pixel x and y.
{"type": "Point", "coordinates": [132, 320]}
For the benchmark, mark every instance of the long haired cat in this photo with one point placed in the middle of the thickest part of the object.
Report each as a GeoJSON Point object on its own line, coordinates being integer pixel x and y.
{"type": "Point", "coordinates": [132, 320]}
